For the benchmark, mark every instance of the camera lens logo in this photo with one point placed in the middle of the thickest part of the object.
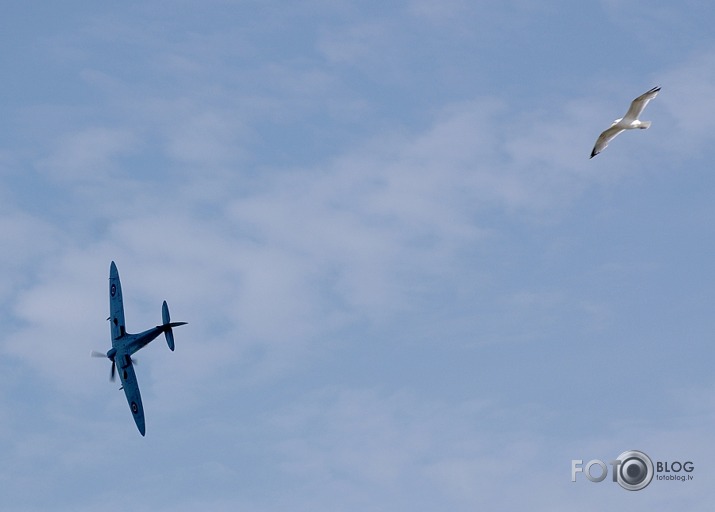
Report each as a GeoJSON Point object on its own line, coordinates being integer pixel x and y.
{"type": "Point", "coordinates": [635, 470]}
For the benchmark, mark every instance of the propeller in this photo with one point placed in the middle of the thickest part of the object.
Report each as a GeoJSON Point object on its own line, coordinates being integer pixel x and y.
{"type": "Point", "coordinates": [110, 355]}
{"type": "Point", "coordinates": [112, 372]}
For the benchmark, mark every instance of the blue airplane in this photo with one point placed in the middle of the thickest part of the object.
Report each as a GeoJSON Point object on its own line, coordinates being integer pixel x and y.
{"type": "Point", "coordinates": [125, 344]}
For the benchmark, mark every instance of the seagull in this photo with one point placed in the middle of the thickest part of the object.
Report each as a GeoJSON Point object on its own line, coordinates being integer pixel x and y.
{"type": "Point", "coordinates": [628, 122]}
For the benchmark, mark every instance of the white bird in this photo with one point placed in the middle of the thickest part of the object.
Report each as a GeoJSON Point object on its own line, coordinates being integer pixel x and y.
{"type": "Point", "coordinates": [628, 122]}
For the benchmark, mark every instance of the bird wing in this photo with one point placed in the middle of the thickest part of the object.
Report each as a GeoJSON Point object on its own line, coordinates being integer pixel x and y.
{"type": "Point", "coordinates": [638, 104]}
{"type": "Point", "coordinates": [603, 139]}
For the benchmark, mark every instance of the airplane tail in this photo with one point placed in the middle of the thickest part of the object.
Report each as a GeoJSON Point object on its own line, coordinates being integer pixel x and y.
{"type": "Point", "coordinates": [167, 325]}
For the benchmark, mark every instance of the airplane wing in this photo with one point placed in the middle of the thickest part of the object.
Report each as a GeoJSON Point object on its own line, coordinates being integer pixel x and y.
{"type": "Point", "coordinates": [116, 305]}
{"type": "Point", "coordinates": [125, 368]}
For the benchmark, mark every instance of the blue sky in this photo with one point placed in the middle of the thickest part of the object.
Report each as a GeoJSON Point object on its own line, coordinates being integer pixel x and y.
{"type": "Point", "coordinates": [408, 288]}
